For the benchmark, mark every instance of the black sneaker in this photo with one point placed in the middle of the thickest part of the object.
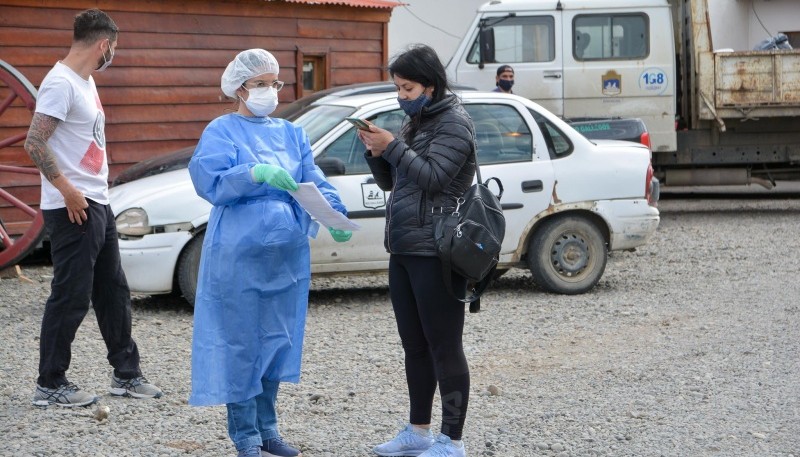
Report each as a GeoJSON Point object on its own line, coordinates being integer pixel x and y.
{"type": "Point", "coordinates": [68, 395]}
{"type": "Point", "coordinates": [277, 448]}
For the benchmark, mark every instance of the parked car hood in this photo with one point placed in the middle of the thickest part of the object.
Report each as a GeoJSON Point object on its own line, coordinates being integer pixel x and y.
{"type": "Point", "coordinates": [167, 198]}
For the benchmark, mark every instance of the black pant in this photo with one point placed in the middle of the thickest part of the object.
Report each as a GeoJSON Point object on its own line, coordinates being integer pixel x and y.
{"type": "Point", "coordinates": [431, 322]}
{"type": "Point", "coordinates": [86, 266]}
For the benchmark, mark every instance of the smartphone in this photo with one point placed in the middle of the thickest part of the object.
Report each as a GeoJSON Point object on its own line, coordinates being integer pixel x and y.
{"type": "Point", "coordinates": [359, 123]}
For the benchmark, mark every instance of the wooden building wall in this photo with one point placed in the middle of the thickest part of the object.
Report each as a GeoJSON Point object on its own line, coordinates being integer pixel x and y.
{"type": "Point", "coordinates": [163, 86]}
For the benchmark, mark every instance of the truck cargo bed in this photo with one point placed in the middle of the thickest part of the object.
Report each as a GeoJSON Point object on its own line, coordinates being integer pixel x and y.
{"type": "Point", "coordinates": [757, 83]}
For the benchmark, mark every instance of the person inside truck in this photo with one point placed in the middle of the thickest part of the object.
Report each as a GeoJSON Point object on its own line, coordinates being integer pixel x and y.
{"type": "Point", "coordinates": [504, 79]}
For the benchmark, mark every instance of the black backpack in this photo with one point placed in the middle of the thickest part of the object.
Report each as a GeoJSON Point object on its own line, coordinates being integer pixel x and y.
{"type": "Point", "coordinates": [468, 240]}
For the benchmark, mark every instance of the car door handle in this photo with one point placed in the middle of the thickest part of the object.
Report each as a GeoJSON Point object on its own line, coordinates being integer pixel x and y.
{"type": "Point", "coordinates": [532, 186]}
{"type": "Point", "coordinates": [553, 75]}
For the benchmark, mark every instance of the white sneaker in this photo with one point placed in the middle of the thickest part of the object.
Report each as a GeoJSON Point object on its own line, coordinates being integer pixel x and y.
{"type": "Point", "coordinates": [407, 442]}
{"type": "Point", "coordinates": [444, 447]}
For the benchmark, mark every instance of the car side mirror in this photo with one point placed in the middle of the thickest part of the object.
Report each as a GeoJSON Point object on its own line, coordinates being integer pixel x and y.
{"type": "Point", "coordinates": [331, 166]}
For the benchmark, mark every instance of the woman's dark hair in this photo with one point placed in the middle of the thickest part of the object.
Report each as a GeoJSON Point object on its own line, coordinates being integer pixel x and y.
{"type": "Point", "coordinates": [420, 63]}
{"type": "Point", "coordinates": [92, 25]}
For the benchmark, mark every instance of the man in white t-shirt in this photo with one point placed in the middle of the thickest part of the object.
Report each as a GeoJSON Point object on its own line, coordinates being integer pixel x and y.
{"type": "Point", "coordinates": [66, 141]}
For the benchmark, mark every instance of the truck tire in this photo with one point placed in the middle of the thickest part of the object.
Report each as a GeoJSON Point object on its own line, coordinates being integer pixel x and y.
{"type": "Point", "coordinates": [189, 267]}
{"type": "Point", "coordinates": [567, 255]}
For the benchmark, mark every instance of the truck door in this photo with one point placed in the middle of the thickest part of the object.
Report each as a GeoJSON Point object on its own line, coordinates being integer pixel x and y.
{"type": "Point", "coordinates": [618, 62]}
{"type": "Point", "coordinates": [531, 44]}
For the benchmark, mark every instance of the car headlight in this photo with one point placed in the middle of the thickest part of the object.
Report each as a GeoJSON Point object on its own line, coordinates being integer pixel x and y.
{"type": "Point", "coordinates": [133, 222]}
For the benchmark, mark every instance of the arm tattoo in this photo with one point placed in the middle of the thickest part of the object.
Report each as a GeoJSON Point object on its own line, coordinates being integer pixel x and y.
{"type": "Point", "coordinates": [42, 128]}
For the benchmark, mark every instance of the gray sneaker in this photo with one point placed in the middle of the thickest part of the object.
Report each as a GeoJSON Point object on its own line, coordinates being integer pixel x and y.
{"type": "Point", "coordinates": [407, 443]}
{"type": "Point", "coordinates": [445, 447]}
{"type": "Point", "coordinates": [68, 395]}
{"type": "Point", "coordinates": [137, 387]}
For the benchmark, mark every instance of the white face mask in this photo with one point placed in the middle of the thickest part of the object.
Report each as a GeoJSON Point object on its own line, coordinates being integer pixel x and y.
{"type": "Point", "coordinates": [106, 62]}
{"type": "Point", "coordinates": [262, 101]}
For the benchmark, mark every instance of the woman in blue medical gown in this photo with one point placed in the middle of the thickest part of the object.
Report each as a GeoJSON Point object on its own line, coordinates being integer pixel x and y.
{"type": "Point", "coordinates": [252, 294]}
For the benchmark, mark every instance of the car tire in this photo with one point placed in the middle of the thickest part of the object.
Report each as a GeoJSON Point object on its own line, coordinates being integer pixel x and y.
{"type": "Point", "coordinates": [567, 255]}
{"type": "Point", "coordinates": [189, 267]}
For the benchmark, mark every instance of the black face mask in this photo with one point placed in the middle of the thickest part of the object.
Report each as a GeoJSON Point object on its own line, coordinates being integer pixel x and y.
{"type": "Point", "coordinates": [506, 84]}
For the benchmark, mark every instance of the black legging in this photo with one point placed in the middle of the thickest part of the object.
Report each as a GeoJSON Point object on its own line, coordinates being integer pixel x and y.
{"type": "Point", "coordinates": [431, 322]}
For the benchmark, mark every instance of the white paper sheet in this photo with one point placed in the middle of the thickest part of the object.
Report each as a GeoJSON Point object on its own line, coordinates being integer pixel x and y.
{"type": "Point", "coordinates": [310, 198]}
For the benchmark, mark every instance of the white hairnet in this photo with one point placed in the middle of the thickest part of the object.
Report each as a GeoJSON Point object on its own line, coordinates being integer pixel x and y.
{"type": "Point", "coordinates": [247, 64]}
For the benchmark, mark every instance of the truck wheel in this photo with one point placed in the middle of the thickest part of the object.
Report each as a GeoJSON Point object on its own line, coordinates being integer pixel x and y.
{"type": "Point", "coordinates": [567, 255]}
{"type": "Point", "coordinates": [189, 267]}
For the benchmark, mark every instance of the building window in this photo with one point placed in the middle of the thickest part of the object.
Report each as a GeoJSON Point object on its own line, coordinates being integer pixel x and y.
{"type": "Point", "coordinates": [314, 73]}
{"type": "Point", "coordinates": [794, 39]}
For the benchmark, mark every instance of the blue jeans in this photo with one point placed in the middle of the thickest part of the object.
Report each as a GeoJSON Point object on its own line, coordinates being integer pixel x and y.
{"type": "Point", "coordinates": [253, 421]}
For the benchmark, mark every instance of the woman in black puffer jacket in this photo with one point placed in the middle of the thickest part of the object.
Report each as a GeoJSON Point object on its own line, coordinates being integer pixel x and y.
{"type": "Point", "coordinates": [426, 170]}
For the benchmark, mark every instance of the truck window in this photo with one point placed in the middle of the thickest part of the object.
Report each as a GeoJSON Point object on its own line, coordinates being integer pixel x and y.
{"type": "Point", "coordinates": [518, 39]}
{"type": "Point", "coordinates": [501, 134]}
{"type": "Point", "coordinates": [610, 37]}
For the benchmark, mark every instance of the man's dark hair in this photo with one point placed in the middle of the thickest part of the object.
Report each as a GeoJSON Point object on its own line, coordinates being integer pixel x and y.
{"type": "Point", "coordinates": [92, 25]}
{"type": "Point", "coordinates": [504, 68]}
{"type": "Point", "coordinates": [421, 64]}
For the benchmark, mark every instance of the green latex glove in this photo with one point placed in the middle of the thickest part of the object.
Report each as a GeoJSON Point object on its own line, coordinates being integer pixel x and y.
{"type": "Point", "coordinates": [340, 236]}
{"type": "Point", "coordinates": [275, 176]}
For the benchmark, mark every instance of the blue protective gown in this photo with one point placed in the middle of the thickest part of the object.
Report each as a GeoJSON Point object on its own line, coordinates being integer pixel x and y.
{"type": "Point", "coordinates": [252, 294]}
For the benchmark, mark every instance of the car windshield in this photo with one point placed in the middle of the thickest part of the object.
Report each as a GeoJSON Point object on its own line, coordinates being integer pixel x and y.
{"type": "Point", "coordinates": [317, 120]}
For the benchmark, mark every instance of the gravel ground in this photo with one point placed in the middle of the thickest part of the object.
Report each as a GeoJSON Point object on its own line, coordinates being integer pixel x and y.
{"type": "Point", "coordinates": [687, 347]}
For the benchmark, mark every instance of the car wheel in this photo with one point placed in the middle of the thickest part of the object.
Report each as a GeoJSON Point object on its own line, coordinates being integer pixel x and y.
{"type": "Point", "coordinates": [567, 255]}
{"type": "Point", "coordinates": [189, 267]}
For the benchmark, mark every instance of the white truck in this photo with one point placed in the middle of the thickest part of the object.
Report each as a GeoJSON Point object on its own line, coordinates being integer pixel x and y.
{"type": "Point", "coordinates": [715, 116]}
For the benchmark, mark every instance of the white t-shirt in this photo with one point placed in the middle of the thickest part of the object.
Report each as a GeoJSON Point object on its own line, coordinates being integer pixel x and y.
{"type": "Point", "coordinates": [79, 141]}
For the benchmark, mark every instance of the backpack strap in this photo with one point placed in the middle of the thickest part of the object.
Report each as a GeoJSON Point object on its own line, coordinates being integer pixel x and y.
{"type": "Point", "coordinates": [478, 288]}
{"type": "Point", "coordinates": [474, 299]}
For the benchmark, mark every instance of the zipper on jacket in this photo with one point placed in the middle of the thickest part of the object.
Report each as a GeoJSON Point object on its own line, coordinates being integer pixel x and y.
{"type": "Point", "coordinates": [421, 209]}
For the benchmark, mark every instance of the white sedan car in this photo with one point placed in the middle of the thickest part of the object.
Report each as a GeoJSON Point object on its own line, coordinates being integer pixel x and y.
{"type": "Point", "coordinates": [568, 201]}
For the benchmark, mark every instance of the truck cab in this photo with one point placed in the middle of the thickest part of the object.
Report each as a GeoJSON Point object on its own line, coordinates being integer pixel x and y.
{"type": "Point", "coordinates": [718, 112]}
{"type": "Point", "coordinates": [580, 59]}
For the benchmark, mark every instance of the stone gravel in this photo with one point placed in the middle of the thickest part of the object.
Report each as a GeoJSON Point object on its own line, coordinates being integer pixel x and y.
{"type": "Point", "coordinates": [687, 347]}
